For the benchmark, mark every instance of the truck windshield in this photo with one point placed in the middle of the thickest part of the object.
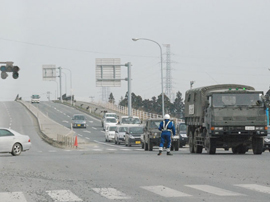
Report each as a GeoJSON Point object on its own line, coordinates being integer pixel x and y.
{"type": "Point", "coordinates": [237, 99]}
{"type": "Point", "coordinates": [182, 127]}
{"type": "Point", "coordinates": [35, 96]}
{"type": "Point", "coordinates": [154, 124]}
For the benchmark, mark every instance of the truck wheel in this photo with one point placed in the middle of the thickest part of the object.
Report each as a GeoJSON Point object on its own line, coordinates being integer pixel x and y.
{"type": "Point", "coordinates": [176, 146]}
{"type": "Point", "coordinates": [211, 149]}
{"type": "Point", "coordinates": [191, 142]}
{"type": "Point", "coordinates": [257, 145]}
{"type": "Point", "coordinates": [150, 145]}
{"type": "Point", "coordinates": [198, 149]}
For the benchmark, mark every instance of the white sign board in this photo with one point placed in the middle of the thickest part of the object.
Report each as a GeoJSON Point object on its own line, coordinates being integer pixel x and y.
{"type": "Point", "coordinates": [191, 109]}
{"type": "Point", "coordinates": [108, 72]}
{"type": "Point", "coordinates": [48, 72]}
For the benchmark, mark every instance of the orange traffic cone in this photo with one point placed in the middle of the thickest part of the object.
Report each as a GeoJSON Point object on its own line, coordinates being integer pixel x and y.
{"type": "Point", "coordinates": [76, 142]}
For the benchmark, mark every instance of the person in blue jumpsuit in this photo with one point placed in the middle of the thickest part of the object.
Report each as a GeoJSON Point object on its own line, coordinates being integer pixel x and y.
{"type": "Point", "coordinates": [167, 127]}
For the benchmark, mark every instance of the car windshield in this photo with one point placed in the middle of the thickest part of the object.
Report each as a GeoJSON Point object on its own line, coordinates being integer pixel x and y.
{"type": "Point", "coordinates": [79, 118]}
{"type": "Point", "coordinates": [182, 127]}
{"type": "Point", "coordinates": [237, 99]}
{"type": "Point", "coordinates": [112, 128]}
{"type": "Point", "coordinates": [135, 130]}
{"type": "Point", "coordinates": [131, 120]}
{"type": "Point", "coordinates": [122, 129]}
{"type": "Point", "coordinates": [110, 120]}
{"type": "Point", "coordinates": [111, 115]}
{"type": "Point", "coordinates": [154, 124]}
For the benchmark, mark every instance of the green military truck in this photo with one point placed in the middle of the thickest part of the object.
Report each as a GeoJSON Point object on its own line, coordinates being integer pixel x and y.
{"type": "Point", "coordinates": [151, 135]}
{"type": "Point", "coordinates": [225, 116]}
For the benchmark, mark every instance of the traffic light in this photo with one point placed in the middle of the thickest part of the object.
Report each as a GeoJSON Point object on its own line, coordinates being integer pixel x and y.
{"type": "Point", "coordinates": [8, 67]}
{"type": "Point", "coordinates": [15, 73]}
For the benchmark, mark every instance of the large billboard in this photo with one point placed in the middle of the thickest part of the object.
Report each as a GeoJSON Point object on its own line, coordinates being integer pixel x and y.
{"type": "Point", "coordinates": [108, 72]}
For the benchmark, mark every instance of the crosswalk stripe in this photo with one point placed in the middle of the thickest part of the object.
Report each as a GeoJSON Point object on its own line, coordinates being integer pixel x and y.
{"type": "Point", "coordinates": [111, 193]}
{"type": "Point", "coordinates": [214, 190]}
{"type": "Point", "coordinates": [255, 187]}
{"type": "Point", "coordinates": [12, 197]}
{"type": "Point", "coordinates": [63, 195]}
{"type": "Point", "coordinates": [165, 191]}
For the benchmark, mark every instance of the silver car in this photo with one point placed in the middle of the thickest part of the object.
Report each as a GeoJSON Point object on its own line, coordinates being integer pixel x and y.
{"type": "Point", "coordinates": [13, 142]}
{"type": "Point", "coordinates": [78, 121]}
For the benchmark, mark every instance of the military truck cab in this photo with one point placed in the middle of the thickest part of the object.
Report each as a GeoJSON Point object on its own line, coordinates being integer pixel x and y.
{"type": "Point", "coordinates": [225, 116]}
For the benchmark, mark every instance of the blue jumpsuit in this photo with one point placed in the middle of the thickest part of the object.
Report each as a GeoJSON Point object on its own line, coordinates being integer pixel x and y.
{"type": "Point", "coordinates": [166, 133]}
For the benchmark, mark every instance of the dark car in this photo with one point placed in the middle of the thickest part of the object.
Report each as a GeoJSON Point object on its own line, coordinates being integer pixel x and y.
{"type": "Point", "coordinates": [133, 135]}
{"type": "Point", "coordinates": [266, 142]}
{"type": "Point", "coordinates": [182, 130]}
{"type": "Point", "coordinates": [78, 121]}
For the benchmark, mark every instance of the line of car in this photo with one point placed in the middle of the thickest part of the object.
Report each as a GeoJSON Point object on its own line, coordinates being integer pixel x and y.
{"type": "Point", "coordinates": [131, 131]}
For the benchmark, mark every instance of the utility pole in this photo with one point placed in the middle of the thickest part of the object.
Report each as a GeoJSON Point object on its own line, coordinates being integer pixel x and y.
{"type": "Point", "coordinates": [60, 81]}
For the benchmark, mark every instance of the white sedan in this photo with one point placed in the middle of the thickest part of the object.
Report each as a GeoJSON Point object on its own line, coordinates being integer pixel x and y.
{"type": "Point", "coordinates": [109, 133]}
{"type": "Point", "coordinates": [13, 142]}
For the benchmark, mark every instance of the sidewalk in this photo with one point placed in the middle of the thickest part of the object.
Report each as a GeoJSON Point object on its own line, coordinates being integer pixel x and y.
{"type": "Point", "coordinates": [51, 131]}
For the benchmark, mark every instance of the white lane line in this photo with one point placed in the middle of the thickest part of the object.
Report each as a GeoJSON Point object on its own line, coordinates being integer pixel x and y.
{"type": "Point", "coordinates": [125, 149]}
{"type": "Point", "coordinates": [214, 190]}
{"type": "Point", "coordinates": [111, 145]}
{"type": "Point", "coordinates": [63, 195]}
{"type": "Point", "coordinates": [165, 191]}
{"type": "Point", "coordinates": [255, 187]}
{"type": "Point", "coordinates": [65, 121]}
{"type": "Point", "coordinates": [96, 149]}
{"type": "Point", "coordinates": [90, 121]}
{"type": "Point", "coordinates": [87, 138]}
{"type": "Point", "coordinates": [80, 135]}
{"type": "Point", "coordinates": [111, 193]}
{"type": "Point", "coordinates": [94, 128]}
{"type": "Point", "coordinates": [111, 149]}
{"type": "Point", "coordinates": [12, 197]}
{"type": "Point", "coordinates": [86, 131]}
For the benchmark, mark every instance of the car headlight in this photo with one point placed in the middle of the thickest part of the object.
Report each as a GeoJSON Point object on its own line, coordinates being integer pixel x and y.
{"type": "Point", "coordinates": [131, 137]}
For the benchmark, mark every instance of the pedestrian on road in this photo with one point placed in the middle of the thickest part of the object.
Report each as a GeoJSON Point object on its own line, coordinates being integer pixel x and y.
{"type": "Point", "coordinates": [167, 127]}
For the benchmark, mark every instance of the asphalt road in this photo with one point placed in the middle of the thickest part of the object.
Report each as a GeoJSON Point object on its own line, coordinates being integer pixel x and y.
{"type": "Point", "coordinates": [104, 172]}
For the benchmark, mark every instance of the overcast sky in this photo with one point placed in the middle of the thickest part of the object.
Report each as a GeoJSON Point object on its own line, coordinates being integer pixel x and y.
{"type": "Point", "coordinates": [212, 42]}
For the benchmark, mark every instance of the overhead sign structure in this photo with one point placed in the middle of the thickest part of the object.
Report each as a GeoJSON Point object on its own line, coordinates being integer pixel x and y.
{"type": "Point", "coordinates": [108, 72]}
{"type": "Point", "coordinates": [49, 72]}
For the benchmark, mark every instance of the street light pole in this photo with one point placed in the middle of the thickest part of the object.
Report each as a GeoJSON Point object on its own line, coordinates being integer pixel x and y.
{"type": "Point", "coordinates": [71, 99]}
{"type": "Point", "coordinates": [161, 61]}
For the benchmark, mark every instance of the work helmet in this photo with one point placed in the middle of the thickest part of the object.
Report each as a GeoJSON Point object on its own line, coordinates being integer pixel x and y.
{"type": "Point", "coordinates": [167, 116]}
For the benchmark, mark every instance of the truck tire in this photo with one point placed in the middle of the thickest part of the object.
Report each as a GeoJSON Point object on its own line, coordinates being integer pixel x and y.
{"type": "Point", "coordinates": [191, 141]}
{"type": "Point", "coordinates": [198, 149]}
{"type": "Point", "coordinates": [257, 145]}
{"type": "Point", "coordinates": [176, 146]}
{"type": "Point", "coordinates": [211, 146]}
{"type": "Point", "coordinates": [150, 145]}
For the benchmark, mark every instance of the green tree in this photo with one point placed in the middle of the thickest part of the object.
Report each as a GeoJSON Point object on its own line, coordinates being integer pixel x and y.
{"type": "Point", "coordinates": [111, 98]}
{"type": "Point", "coordinates": [178, 106]}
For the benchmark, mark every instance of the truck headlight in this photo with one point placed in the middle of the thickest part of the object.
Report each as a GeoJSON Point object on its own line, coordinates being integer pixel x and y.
{"type": "Point", "coordinates": [259, 128]}
{"type": "Point", "coordinates": [218, 128]}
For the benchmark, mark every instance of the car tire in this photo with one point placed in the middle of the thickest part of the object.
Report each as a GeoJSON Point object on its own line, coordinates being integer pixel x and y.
{"type": "Point", "coordinates": [16, 149]}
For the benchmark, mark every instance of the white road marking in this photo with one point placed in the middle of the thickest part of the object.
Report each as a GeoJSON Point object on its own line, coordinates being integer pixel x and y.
{"type": "Point", "coordinates": [255, 187]}
{"type": "Point", "coordinates": [87, 131]}
{"type": "Point", "coordinates": [94, 128]}
{"type": "Point", "coordinates": [80, 135]}
{"type": "Point", "coordinates": [65, 121]}
{"type": "Point", "coordinates": [111, 149]}
{"type": "Point", "coordinates": [111, 193]}
{"type": "Point", "coordinates": [63, 195]}
{"type": "Point", "coordinates": [125, 149]}
{"type": "Point", "coordinates": [87, 138]}
{"type": "Point", "coordinates": [12, 197]}
{"type": "Point", "coordinates": [90, 121]}
{"type": "Point", "coordinates": [214, 190]}
{"type": "Point", "coordinates": [165, 191]}
{"type": "Point", "coordinates": [97, 149]}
